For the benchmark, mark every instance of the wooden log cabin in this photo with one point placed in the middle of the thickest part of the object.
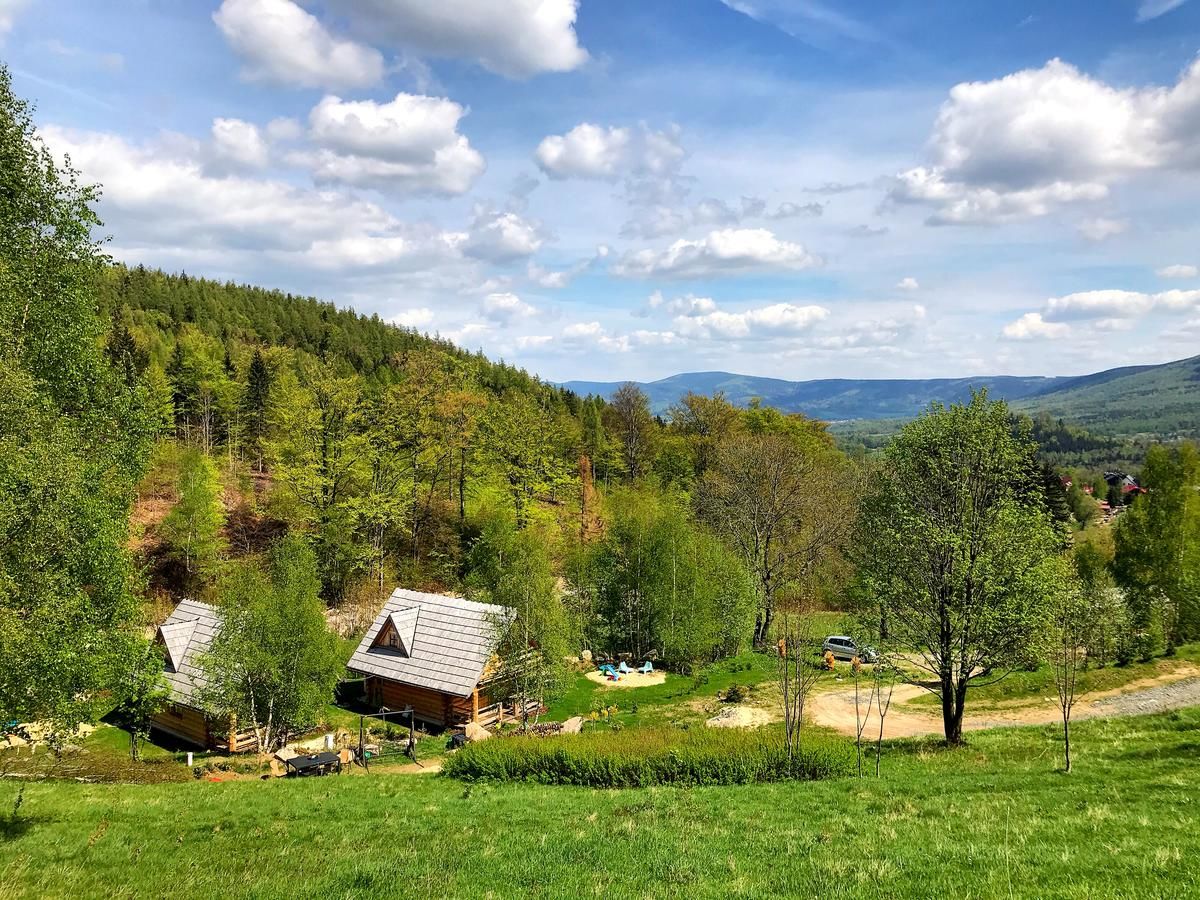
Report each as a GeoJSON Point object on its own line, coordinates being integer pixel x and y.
{"type": "Point", "coordinates": [436, 654]}
{"type": "Point", "coordinates": [185, 636]}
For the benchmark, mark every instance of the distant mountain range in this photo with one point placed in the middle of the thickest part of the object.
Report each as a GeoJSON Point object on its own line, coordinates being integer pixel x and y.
{"type": "Point", "coordinates": [1129, 400]}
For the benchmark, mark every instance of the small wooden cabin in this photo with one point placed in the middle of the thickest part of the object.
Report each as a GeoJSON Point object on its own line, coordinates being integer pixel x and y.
{"type": "Point", "coordinates": [185, 636]}
{"type": "Point", "coordinates": [434, 653]}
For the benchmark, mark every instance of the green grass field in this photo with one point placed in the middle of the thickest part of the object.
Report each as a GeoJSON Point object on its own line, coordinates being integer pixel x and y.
{"type": "Point", "coordinates": [997, 819]}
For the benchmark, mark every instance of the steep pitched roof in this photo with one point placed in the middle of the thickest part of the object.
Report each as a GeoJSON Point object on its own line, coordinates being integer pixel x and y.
{"type": "Point", "coordinates": [176, 637]}
{"type": "Point", "coordinates": [452, 641]}
{"type": "Point", "coordinates": [404, 624]}
{"type": "Point", "coordinates": [187, 633]}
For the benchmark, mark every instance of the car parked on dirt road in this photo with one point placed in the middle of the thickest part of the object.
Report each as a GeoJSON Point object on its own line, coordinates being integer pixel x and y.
{"type": "Point", "coordinates": [843, 647]}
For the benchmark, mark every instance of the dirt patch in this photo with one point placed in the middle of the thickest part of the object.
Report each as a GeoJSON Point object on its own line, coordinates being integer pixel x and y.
{"type": "Point", "coordinates": [1159, 698]}
{"type": "Point", "coordinates": [739, 717]}
{"type": "Point", "coordinates": [429, 767]}
{"type": "Point", "coordinates": [836, 709]}
{"type": "Point", "coordinates": [633, 680]}
{"type": "Point", "coordinates": [145, 517]}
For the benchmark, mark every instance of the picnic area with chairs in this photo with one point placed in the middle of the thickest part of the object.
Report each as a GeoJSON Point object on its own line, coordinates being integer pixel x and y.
{"type": "Point", "coordinates": [623, 675]}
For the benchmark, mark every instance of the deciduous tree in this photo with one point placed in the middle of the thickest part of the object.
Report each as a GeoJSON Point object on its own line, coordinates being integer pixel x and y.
{"type": "Point", "coordinates": [1158, 543]}
{"type": "Point", "coordinates": [274, 662]}
{"type": "Point", "coordinates": [952, 547]}
{"type": "Point", "coordinates": [785, 503]}
{"type": "Point", "coordinates": [629, 418]}
{"type": "Point", "coordinates": [192, 529]}
{"type": "Point", "coordinates": [511, 568]}
{"type": "Point", "coordinates": [74, 438]}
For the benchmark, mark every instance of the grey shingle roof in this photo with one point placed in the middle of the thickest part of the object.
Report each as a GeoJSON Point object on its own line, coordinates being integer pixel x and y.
{"type": "Point", "coordinates": [451, 645]}
{"type": "Point", "coordinates": [188, 633]}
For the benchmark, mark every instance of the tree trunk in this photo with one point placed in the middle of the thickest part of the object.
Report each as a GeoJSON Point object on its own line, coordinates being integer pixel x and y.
{"type": "Point", "coordinates": [953, 699]}
{"type": "Point", "coordinates": [1067, 742]}
{"type": "Point", "coordinates": [462, 482]}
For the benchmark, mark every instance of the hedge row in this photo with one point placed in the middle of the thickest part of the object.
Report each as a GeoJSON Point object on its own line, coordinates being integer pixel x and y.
{"type": "Point", "coordinates": [648, 756]}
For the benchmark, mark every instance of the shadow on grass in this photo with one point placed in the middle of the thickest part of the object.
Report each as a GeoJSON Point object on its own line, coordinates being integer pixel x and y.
{"type": "Point", "coordinates": [14, 824]}
{"type": "Point", "coordinates": [14, 827]}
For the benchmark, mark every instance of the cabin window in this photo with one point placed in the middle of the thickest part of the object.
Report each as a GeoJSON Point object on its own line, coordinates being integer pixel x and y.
{"type": "Point", "coordinates": [176, 711]}
{"type": "Point", "coordinates": [393, 640]}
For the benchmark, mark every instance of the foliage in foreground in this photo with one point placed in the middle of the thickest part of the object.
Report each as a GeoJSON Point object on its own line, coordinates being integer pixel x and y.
{"type": "Point", "coordinates": [73, 439]}
{"type": "Point", "coordinates": [996, 819]}
{"type": "Point", "coordinates": [652, 756]}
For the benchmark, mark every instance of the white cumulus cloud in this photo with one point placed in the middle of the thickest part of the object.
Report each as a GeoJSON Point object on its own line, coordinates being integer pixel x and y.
{"type": "Point", "coordinates": [282, 43]}
{"type": "Point", "coordinates": [239, 143]}
{"type": "Point", "coordinates": [721, 252]}
{"type": "Point", "coordinates": [1117, 304]}
{"type": "Point", "coordinates": [598, 152]}
{"type": "Point", "coordinates": [515, 38]}
{"type": "Point", "coordinates": [1104, 310]}
{"type": "Point", "coordinates": [501, 236]}
{"type": "Point", "coordinates": [164, 202]}
{"type": "Point", "coordinates": [506, 307]}
{"type": "Point", "coordinates": [412, 318]}
{"type": "Point", "coordinates": [1032, 326]}
{"type": "Point", "coordinates": [776, 320]}
{"type": "Point", "coordinates": [410, 143]}
{"type": "Point", "coordinates": [1178, 271]}
{"type": "Point", "coordinates": [1024, 144]}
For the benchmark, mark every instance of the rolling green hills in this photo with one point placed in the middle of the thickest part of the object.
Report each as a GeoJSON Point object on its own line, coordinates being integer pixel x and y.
{"type": "Point", "coordinates": [832, 399]}
{"type": "Point", "coordinates": [1161, 400]}
{"type": "Point", "coordinates": [1153, 400]}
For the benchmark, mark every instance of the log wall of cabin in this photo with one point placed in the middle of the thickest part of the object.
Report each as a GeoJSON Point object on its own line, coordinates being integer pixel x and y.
{"type": "Point", "coordinates": [183, 722]}
{"type": "Point", "coordinates": [429, 706]}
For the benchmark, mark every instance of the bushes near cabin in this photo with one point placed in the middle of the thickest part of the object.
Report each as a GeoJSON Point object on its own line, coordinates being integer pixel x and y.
{"type": "Point", "coordinates": [651, 756]}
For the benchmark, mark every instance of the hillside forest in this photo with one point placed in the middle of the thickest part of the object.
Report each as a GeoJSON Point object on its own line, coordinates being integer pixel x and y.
{"type": "Point", "coordinates": [166, 436]}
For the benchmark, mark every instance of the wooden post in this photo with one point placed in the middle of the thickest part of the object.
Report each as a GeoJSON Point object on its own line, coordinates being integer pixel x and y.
{"type": "Point", "coordinates": [232, 733]}
{"type": "Point", "coordinates": [362, 744]}
{"type": "Point", "coordinates": [411, 750]}
{"type": "Point", "coordinates": [475, 705]}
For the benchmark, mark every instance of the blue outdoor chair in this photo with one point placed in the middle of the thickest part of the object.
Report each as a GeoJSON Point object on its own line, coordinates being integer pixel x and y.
{"type": "Point", "coordinates": [646, 668]}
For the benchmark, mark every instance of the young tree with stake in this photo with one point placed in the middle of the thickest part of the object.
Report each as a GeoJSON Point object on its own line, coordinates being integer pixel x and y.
{"type": "Point", "coordinates": [1066, 631]}
{"type": "Point", "coordinates": [797, 674]}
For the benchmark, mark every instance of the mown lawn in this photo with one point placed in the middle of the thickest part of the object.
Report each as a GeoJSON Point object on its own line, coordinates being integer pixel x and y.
{"type": "Point", "coordinates": [994, 820]}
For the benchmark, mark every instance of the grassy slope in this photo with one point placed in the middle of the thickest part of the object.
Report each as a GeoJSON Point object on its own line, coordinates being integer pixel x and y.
{"type": "Point", "coordinates": [1162, 400]}
{"type": "Point", "coordinates": [993, 820]}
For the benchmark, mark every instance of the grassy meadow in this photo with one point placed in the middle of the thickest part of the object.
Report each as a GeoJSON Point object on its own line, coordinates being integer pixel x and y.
{"type": "Point", "coordinates": [997, 819]}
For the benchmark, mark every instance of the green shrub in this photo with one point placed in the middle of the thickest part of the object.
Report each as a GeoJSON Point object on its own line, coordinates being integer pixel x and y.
{"type": "Point", "coordinates": [649, 756]}
{"type": "Point", "coordinates": [735, 693]}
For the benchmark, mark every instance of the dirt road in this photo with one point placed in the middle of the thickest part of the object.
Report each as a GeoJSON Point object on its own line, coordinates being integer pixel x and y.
{"type": "Point", "coordinates": [835, 709]}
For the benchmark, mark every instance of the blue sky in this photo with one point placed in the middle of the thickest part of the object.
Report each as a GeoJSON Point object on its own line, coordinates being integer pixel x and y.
{"type": "Point", "coordinates": [615, 189]}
